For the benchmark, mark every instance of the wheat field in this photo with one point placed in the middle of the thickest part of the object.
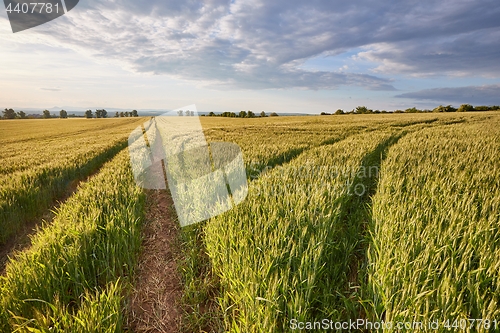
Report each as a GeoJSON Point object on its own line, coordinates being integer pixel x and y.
{"type": "Point", "coordinates": [380, 218]}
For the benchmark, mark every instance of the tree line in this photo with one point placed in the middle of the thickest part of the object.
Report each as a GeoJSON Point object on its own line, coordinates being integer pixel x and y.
{"type": "Point", "coordinates": [241, 114]}
{"type": "Point", "coordinates": [100, 113]}
{"type": "Point", "coordinates": [440, 108]}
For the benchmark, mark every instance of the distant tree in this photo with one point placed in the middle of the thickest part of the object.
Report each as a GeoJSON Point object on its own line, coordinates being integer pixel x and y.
{"type": "Point", "coordinates": [399, 111]}
{"type": "Point", "coordinates": [465, 108]}
{"type": "Point", "coordinates": [273, 114]}
{"type": "Point", "coordinates": [127, 114]}
{"type": "Point", "coordinates": [89, 114]}
{"type": "Point", "coordinates": [442, 108]}
{"type": "Point", "coordinates": [63, 114]}
{"type": "Point", "coordinates": [250, 114]}
{"type": "Point", "coordinates": [242, 114]}
{"type": "Point", "coordinates": [101, 113]}
{"type": "Point", "coordinates": [361, 109]}
{"type": "Point", "coordinates": [211, 114]}
{"type": "Point", "coordinates": [412, 110]}
{"type": "Point", "coordinates": [122, 114]}
{"type": "Point", "coordinates": [324, 114]}
{"type": "Point", "coordinates": [263, 114]}
{"type": "Point", "coordinates": [339, 111]}
{"type": "Point", "coordinates": [450, 108]}
{"type": "Point", "coordinates": [117, 114]}
{"type": "Point", "coordinates": [21, 115]}
{"type": "Point", "coordinates": [180, 113]}
{"type": "Point", "coordinates": [135, 113]}
{"type": "Point", "coordinates": [46, 114]}
{"type": "Point", "coordinates": [481, 108]}
{"type": "Point", "coordinates": [9, 114]}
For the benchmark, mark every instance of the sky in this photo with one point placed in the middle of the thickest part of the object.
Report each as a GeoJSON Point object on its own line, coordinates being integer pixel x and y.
{"type": "Point", "coordinates": [278, 56]}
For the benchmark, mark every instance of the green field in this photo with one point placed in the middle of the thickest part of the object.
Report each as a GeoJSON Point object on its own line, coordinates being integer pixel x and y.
{"type": "Point", "coordinates": [390, 218]}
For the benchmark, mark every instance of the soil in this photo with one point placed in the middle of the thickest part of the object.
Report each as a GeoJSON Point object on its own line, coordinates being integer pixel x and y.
{"type": "Point", "coordinates": [155, 298]}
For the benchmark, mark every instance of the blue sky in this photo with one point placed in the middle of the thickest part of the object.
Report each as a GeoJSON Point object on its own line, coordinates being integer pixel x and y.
{"type": "Point", "coordinates": [285, 56]}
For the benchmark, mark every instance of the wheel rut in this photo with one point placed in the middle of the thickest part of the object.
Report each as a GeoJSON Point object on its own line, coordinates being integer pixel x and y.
{"type": "Point", "coordinates": [154, 304]}
{"type": "Point", "coordinates": [20, 238]}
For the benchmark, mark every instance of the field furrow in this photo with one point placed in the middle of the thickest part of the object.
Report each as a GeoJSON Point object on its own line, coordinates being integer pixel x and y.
{"type": "Point", "coordinates": [47, 170]}
{"type": "Point", "coordinates": [434, 251]}
{"type": "Point", "coordinates": [73, 276]}
{"type": "Point", "coordinates": [285, 252]}
{"type": "Point", "coordinates": [270, 145]}
{"type": "Point", "coordinates": [391, 218]}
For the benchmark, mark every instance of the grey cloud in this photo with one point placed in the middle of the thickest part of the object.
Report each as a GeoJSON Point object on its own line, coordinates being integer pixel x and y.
{"type": "Point", "coordinates": [484, 95]}
{"type": "Point", "coordinates": [474, 53]}
{"type": "Point", "coordinates": [261, 44]}
{"type": "Point", "coordinates": [300, 30]}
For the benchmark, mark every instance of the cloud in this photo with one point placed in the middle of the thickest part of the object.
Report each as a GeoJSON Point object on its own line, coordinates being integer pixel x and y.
{"type": "Point", "coordinates": [469, 54]}
{"type": "Point", "coordinates": [257, 44]}
{"type": "Point", "coordinates": [50, 89]}
{"type": "Point", "coordinates": [483, 95]}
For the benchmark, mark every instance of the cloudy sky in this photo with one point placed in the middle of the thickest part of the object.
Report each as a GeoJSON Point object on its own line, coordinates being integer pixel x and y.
{"type": "Point", "coordinates": [280, 55]}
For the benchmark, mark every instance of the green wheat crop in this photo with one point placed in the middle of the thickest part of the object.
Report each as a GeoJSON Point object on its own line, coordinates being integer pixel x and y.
{"type": "Point", "coordinates": [435, 239]}
{"type": "Point", "coordinates": [68, 280]}
{"type": "Point", "coordinates": [42, 165]}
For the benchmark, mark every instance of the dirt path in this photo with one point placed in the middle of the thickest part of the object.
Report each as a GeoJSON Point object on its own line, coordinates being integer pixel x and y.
{"type": "Point", "coordinates": [154, 303]}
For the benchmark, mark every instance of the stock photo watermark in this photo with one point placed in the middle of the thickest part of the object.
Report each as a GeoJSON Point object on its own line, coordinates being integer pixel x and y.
{"type": "Point", "coordinates": [205, 180]}
{"type": "Point", "coordinates": [26, 14]}
{"type": "Point", "coordinates": [350, 325]}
